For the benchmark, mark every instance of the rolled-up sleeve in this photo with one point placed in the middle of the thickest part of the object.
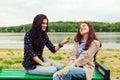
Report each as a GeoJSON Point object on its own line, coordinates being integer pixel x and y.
{"type": "Point", "coordinates": [28, 46]}
{"type": "Point", "coordinates": [49, 45]}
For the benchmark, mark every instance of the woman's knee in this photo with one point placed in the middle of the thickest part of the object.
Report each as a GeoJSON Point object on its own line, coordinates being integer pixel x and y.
{"type": "Point", "coordinates": [55, 77]}
{"type": "Point", "coordinates": [52, 70]}
{"type": "Point", "coordinates": [43, 71]}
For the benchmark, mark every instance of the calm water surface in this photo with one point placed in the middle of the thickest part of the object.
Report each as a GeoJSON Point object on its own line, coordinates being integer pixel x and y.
{"type": "Point", "coordinates": [16, 40]}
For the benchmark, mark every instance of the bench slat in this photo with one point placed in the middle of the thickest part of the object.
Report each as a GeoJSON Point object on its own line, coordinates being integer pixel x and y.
{"type": "Point", "coordinates": [20, 74]}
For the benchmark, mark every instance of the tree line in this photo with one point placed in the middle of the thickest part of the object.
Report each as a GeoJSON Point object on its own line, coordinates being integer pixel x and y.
{"type": "Point", "coordinates": [67, 26]}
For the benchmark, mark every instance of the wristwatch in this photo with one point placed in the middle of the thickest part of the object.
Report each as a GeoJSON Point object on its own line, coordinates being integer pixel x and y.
{"type": "Point", "coordinates": [60, 45]}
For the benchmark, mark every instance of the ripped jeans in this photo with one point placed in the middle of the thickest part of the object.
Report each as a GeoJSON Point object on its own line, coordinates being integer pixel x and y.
{"type": "Point", "coordinates": [77, 72]}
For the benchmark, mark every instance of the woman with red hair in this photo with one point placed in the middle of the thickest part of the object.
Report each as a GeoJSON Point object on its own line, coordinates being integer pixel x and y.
{"type": "Point", "coordinates": [81, 64]}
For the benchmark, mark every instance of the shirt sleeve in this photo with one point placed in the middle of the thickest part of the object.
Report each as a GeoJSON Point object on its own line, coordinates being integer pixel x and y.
{"type": "Point", "coordinates": [74, 52]}
{"type": "Point", "coordinates": [49, 45]}
{"type": "Point", "coordinates": [28, 46]}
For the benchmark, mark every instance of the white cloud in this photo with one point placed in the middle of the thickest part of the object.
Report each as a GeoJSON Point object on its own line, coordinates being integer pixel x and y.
{"type": "Point", "coordinates": [18, 12]}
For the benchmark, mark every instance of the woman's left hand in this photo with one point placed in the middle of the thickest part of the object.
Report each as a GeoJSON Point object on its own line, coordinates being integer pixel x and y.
{"type": "Point", "coordinates": [66, 40]}
{"type": "Point", "coordinates": [59, 73]}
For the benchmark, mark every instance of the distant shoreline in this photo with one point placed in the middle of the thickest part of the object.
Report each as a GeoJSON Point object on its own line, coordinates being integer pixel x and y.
{"type": "Point", "coordinates": [58, 32]}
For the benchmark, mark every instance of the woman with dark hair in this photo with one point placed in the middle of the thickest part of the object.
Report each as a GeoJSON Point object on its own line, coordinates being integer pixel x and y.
{"type": "Point", "coordinates": [34, 42]}
{"type": "Point", "coordinates": [81, 64]}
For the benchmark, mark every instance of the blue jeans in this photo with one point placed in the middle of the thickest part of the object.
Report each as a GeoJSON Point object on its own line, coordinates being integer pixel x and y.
{"type": "Point", "coordinates": [77, 72]}
{"type": "Point", "coordinates": [46, 70]}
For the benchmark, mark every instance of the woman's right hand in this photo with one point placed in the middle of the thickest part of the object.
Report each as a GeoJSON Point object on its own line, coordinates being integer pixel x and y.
{"type": "Point", "coordinates": [46, 63]}
{"type": "Point", "coordinates": [66, 40]}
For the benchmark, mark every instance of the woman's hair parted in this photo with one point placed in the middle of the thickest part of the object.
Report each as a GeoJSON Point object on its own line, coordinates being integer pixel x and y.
{"type": "Point", "coordinates": [36, 32]}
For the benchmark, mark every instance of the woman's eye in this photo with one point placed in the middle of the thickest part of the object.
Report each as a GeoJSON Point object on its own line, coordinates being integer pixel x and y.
{"type": "Point", "coordinates": [83, 25]}
{"type": "Point", "coordinates": [43, 23]}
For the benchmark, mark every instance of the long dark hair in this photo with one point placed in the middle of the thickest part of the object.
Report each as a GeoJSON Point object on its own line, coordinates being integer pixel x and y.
{"type": "Point", "coordinates": [91, 36]}
{"type": "Point", "coordinates": [36, 32]}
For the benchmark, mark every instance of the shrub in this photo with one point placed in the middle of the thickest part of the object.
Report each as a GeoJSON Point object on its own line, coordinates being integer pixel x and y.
{"type": "Point", "coordinates": [57, 58]}
{"type": "Point", "coordinates": [8, 62]}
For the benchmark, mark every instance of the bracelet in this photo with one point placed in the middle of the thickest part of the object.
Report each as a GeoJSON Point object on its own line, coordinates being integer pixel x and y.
{"type": "Point", "coordinates": [60, 45]}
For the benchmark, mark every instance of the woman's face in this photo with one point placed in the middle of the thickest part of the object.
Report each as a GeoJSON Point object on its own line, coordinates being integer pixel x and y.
{"type": "Point", "coordinates": [44, 24]}
{"type": "Point", "coordinates": [84, 29]}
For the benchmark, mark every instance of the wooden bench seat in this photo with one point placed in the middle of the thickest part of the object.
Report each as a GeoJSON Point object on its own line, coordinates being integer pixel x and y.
{"type": "Point", "coordinates": [20, 74]}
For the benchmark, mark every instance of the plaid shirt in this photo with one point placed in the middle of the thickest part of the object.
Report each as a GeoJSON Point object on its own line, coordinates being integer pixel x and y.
{"type": "Point", "coordinates": [29, 52]}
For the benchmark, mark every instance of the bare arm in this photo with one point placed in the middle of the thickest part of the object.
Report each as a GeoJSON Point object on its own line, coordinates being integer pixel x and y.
{"type": "Point", "coordinates": [66, 40]}
{"type": "Point", "coordinates": [39, 61]}
{"type": "Point", "coordinates": [58, 47]}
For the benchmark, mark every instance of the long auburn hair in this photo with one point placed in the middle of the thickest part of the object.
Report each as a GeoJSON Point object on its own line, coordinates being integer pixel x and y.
{"type": "Point", "coordinates": [36, 32]}
{"type": "Point", "coordinates": [91, 36]}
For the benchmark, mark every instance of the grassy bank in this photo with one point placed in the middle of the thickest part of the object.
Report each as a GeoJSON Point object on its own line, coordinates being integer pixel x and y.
{"type": "Point", "coordinates": [12, 58]}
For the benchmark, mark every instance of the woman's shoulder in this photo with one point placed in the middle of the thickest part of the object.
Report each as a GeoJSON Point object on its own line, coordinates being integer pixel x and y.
{"type": "Point", "coordinates": [27, 33]}
{"type": "Point", "coordinates": [97, 43]}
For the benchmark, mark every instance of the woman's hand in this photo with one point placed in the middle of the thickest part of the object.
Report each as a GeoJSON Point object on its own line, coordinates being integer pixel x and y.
{"type": "Point", "coordinates": [66, 40]}
{"type": "Point", "coordinates": [73, 64]}
{"type": "Point", "coordinates": [64, 70]}
{"type": "Point", "coordinates": [46, 64]}
{"type": "Point", "coordinates": [59, 73]}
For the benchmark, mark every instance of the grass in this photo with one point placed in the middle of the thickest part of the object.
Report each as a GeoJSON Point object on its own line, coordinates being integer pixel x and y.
{"type": "Point", "coordinates": [111, 59]}
{"type": "Point", "coordinates": [57, 57]}
{"type": "Point", "coordinates": [12, 58]}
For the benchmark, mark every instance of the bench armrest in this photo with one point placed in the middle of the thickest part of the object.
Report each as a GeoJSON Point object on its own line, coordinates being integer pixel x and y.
{"type": "Point", "coordinates": [103, 70]}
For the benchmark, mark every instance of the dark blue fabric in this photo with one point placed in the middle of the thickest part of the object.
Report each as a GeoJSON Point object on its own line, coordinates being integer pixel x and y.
{"type": "Point", "coordinates": [81, 47]}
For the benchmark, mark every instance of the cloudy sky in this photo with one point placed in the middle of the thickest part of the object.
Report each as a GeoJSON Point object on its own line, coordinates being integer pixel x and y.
{"type": "Point", "coordinates": [17, 12]}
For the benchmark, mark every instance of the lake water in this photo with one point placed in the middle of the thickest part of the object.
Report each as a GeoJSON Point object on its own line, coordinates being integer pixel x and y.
{"type": "Point", "coordinates": [16, 40]}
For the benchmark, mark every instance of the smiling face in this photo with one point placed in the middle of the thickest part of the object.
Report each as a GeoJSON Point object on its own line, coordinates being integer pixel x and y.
{"type": "Point", "coordinates": [44, 24]}
{"type": "Point", "coordinates": [84, 29]}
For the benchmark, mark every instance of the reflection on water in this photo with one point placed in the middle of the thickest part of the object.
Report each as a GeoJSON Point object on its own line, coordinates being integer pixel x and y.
{"type": "Point", "coordinates": [109, 37]}
{"type": "Point", "coordinates": [15, 40]}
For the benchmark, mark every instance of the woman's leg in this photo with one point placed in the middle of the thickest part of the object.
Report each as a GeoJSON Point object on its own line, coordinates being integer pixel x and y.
{"type": "Point", "coordinates": [54, 63]}
{"type": "Point", "coordinates": [55, 77]}
{"type": "Point", "coordinates": [43, 70]}
{"type": "Point", "coordinates": [72, 71]}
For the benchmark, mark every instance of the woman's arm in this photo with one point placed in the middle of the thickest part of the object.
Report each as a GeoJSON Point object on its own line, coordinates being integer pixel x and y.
{"type": "Point", "coordinates": [28, 46]}
{"type": "Point", "coordinates": [37, 59]}
{"type": "Point", "coordinates": [53, 48]}
{"type": "Point", "coordinates": [60, 45]}
{"type": "Point", "coordinates": [66, 40]}
{"type": "Point", "coordinates": [74, 54]}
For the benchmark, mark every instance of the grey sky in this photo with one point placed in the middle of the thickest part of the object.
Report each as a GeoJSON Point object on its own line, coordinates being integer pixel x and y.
{"type": "Point", "coordinates": [17, 12]}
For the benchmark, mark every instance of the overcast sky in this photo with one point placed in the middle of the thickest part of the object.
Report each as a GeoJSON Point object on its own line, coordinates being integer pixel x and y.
{"type": "Point", "coordinates": [17, 12]}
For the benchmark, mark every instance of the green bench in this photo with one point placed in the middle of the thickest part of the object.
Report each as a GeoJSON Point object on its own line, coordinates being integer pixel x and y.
{"type": "Point", "coordinates": [100, 73]}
